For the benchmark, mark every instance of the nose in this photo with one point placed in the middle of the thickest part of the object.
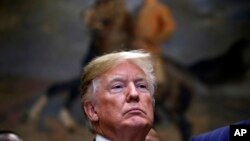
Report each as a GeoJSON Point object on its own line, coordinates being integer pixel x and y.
{"type": "Point", "coordinates": [132, 94]}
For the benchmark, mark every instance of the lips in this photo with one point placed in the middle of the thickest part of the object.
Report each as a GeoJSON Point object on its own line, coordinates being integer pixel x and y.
{"type": "Point", "coordinates": [135, 111]}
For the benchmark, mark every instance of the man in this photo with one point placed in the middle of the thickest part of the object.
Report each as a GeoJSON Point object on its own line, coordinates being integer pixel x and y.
{"type": "Point", "coordinates": [117, 95]}
{"type": "Point", "coordinates": [219, 134]}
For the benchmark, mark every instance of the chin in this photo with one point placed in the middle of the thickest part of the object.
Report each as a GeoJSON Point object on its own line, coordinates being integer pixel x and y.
{"type": "Point", "coordinates": [138, 122]}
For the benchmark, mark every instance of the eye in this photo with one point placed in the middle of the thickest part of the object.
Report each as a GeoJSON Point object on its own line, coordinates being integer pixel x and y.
{"type": "Point", "coordinates": [142, 87]}
{"type": "Point", "coordinates": [117, 87]}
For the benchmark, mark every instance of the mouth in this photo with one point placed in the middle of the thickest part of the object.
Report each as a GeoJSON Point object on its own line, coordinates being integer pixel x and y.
{"type": "Point", "coordinates": [135, 111]}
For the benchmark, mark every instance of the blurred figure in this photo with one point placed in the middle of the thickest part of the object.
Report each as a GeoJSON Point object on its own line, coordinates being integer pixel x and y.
{"type": "Point", "coordinates": [109, 24]}
{"type": "Point", "coordinates": [153, 26]}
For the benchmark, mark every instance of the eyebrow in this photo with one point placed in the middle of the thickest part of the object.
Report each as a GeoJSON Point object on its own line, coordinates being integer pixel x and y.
{"type": "Point", "coordinates": [120, 78]}
{"type": "Point", "coordinates": [116, 78]}
{"type": "Point", "coordinates": [140, 79]}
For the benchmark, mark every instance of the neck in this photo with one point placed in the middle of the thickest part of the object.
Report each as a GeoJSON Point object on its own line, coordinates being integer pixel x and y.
{"type": "Point", "coordinates": [128, 136]}
{"type": "Point", "coordinates": [125, 134]}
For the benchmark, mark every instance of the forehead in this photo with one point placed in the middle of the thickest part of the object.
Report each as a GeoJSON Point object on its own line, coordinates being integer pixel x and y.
{"type": "Point", "coordinates": [125, 69]}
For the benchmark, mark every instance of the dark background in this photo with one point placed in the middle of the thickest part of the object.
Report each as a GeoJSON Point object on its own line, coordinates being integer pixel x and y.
{"type": "Point", "coordinates": [42, 42]}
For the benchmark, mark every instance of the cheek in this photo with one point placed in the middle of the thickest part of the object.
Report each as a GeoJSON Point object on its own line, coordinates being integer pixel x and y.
{"type": "Point", "coordinates": [148, 104]}
{"type": "Point", "coordinates": [111, 104]}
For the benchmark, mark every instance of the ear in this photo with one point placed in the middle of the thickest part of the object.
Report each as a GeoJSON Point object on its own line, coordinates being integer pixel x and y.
{"type": "Point", "coordinates": [90, 111]}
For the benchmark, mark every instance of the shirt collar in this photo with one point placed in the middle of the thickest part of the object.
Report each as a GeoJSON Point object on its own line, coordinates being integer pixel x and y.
{"type": "Point", "coordinates": [100, 138]}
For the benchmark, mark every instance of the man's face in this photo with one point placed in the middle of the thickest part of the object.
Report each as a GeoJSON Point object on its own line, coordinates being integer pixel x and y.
{"type": "Point", "coordinates": [123, 98]}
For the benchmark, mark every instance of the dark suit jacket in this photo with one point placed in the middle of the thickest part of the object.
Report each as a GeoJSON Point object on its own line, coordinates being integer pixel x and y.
{"type": "Point", "coordinates": [220, 134]}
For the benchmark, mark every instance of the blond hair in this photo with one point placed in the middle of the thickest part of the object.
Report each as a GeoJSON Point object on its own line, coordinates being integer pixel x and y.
{"type": "Point", "coordinates": [104, 63]}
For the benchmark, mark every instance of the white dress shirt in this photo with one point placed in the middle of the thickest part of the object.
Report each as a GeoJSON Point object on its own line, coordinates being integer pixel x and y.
{"type": "Point", "coordinates": [100, 138]}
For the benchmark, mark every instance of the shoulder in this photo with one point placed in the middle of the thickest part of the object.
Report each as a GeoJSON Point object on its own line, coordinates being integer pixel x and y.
{"type": "Point", "coordinates": [243, 122]}
{"type": "Point", "coordinates": [219, 134]}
